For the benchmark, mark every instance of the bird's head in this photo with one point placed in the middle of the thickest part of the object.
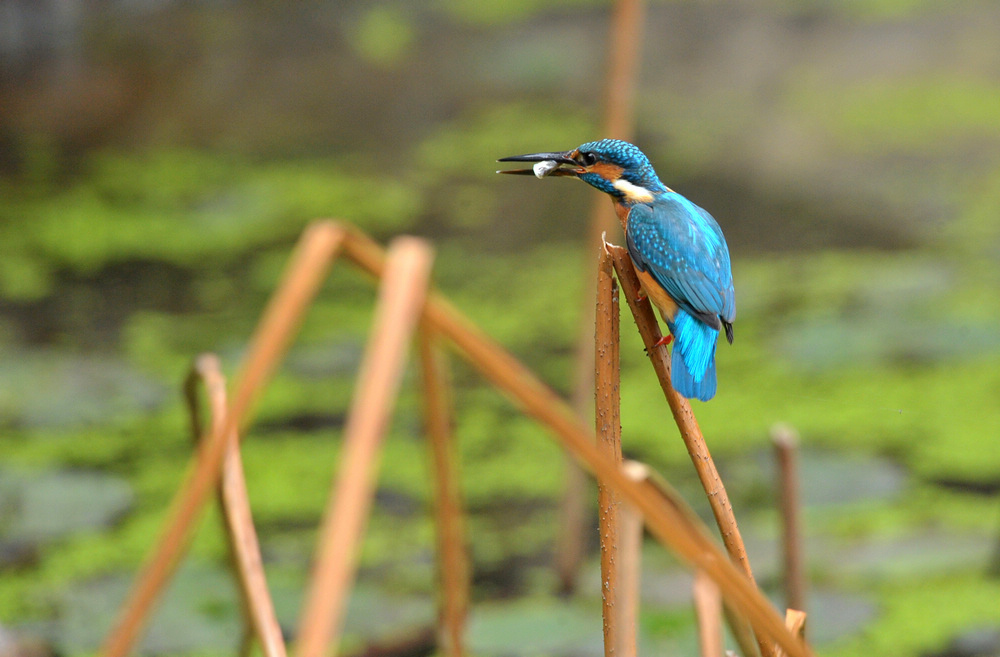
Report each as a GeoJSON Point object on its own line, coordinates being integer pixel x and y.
{"type": "Point", "coordinates": [613, 166]}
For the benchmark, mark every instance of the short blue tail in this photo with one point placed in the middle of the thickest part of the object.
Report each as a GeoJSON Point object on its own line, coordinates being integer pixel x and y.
{"type": "Point", "coordinates": [692, 364]}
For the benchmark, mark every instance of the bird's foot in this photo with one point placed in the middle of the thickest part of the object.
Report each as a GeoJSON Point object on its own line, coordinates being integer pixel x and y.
{"type": "Point", "coordinates": [640, 298]}
{"type": "Point", "coordinates": [665, 340]}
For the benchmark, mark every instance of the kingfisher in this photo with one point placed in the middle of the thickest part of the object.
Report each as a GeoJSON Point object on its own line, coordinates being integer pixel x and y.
{"type": "Point", "coordinates": [678, 250]}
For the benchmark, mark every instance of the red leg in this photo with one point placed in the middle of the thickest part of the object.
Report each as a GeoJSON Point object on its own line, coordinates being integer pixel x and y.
{"type": "Point", "coordinates": [666, 339]}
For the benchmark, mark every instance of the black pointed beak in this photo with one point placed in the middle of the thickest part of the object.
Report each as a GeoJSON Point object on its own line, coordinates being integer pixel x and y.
{"type": "Point", "coordinates": [559, 159]}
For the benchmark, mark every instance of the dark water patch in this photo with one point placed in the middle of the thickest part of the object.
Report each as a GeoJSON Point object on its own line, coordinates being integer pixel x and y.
{"type": "Point", "coordinates": [18, 553]}
{"type": "Point", "coordinates": [984, 487]}
{"type": "Point", "coordinates": [419, 643]}
{"type": "Point", "coordinates": [509, 577]}
{"type": "Point", "coordinates": [976, 642]}
{"type": "Point", "coordinates": [399, 504]}
{"type": "Point", "coordinates": [301, 423]}
{"type": "Point", "coordinates": [90, 310]}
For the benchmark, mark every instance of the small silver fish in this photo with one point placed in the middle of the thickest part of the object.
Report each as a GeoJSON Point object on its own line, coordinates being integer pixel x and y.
{"type": "Point", "coordinates": [544, 168]}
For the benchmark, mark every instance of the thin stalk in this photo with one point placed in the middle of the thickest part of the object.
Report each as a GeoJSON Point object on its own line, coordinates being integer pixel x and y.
{"type": "Point", "coordinates": [238, 526]}
{"type": "Point", "coordinates": [609, 441]}
{"type": "Point", "coordinates": [453, 559]}
{"type": "Point", "coordinates": [629, 578]}
{"type": "Point", "coordinates": [401, 298]}
{"type": "Point", "coordinates": [708, 610]}
{"type": "Point", "coordinates": [624, 46]}
{"type": "Point", "coordinates": [786, 447]}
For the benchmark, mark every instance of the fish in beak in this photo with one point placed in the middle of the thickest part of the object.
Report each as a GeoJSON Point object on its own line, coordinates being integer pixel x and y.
{"type": "Point", "coordinates": [546, 164]}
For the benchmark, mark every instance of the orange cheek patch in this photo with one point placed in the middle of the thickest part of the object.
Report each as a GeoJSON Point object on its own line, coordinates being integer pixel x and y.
{"type": "Point", "coordinates": [606, 170]}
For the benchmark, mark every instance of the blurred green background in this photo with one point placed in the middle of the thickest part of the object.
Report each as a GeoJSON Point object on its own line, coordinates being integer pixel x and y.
{"type": "Point", "coordinates": [159, 158]}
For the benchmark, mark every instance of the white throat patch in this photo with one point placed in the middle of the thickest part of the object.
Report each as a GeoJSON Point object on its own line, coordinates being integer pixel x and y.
{"type": "Point", "coordinates": [634, 193]}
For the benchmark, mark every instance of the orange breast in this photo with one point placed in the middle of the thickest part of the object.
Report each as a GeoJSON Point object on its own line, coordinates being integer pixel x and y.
{"type": "Point", "coordinates": [663, 301]}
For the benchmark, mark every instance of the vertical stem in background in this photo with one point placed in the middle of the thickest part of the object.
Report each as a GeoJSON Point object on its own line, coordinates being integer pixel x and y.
{"type": "Point", "coordinates": [609, 441]}
{"type": "Point", "coordinates": [453, 560]}
{"type": "Point", "coordinates": [238, 525]}
{"type": "Point", "coordinates": [708, 610]}
{"type": "Point", "coordinates": [786, 445]}
{"type": "Point", "coordinates": [401, 299]}
{"type": "Point", "coordinates": [310, 261]}
{"type": "Point", "coordinates": [624, 41]}
{"type": "Point", "coordinates": [629, 578]}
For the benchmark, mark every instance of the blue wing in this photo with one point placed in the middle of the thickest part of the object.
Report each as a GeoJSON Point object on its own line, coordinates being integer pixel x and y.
{"type": "Point", "coordinates": [683, 248]}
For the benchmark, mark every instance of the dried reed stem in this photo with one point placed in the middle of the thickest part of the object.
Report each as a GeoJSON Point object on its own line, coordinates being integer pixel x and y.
{"type": "Point", "coordinates": [609, 441]}
{"type": "Point", "coordinates": [624, 45]}
{"type": "Point", "coordinates": [401, 298]}
{"type": "Point", "coordinates": [629, 578]}
{"type": "Point", "coordinates": [312, 256]}
{"type": "Point", "coordinates": [540, 402]}
{"type": "Point", "coordinates": [708, 610]}
{"type": "Point", "coordinates": [235, 504]}
{"type": "Point", "coordinates": [453, 560]}
{"type": "Point", "coordinates": [786, 447]}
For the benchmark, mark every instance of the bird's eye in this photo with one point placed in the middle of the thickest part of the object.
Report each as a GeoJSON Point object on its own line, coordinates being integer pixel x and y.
{"type": "Point", "coordinates": [588, 159]}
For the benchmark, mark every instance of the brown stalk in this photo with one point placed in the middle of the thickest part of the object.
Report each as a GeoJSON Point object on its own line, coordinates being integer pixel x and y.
{"type": "Point", "coordinates": [609, 441]}
{"type": "Point", "coordinates": [629, 578]}
{"type": "Point", "coordinates": [244, 548]}
{"type": "Point", "coordinates": [540, 402]}
{"type": "Point", "coordinates": [453, 560]}
{"type": "Point", "coordinates": [708, 610]}
{"type": "Point", "coordinates": [687, 424]}
{"type": "Point", "coordinates": [401, 298]}
{"type": "Point", "coordinates": [786, 446]}
{"type": "Point", "coordinates": [312, 256]}
{"type": "Point", "coordinates": [640, 472]}
{"type": "Point", "coordinates": [624, 42]}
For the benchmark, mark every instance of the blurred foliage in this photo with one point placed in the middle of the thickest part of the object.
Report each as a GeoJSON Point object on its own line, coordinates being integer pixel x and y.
{"type": "Point", "coordinates": [877, 353]}
{"type": "Point", "coordinates": [922, 115]}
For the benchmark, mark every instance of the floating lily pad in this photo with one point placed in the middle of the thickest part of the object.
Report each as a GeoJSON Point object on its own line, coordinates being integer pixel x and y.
{"type": "Point", "coordinates": [39, 507]}
{"type": "Point", "coordinates": [535, 627]}
{"type": "Point", "coordinates": [829, 343]}
{"type": "Point", "coordinates": [199, 612]}
{"type": "Point", "coordinates": [928, 552]}
{"type": "Point", "coordinates": [834, 615]}
{"type": "Point", "coordinates": [828, 478]}
{"type": "Point", "coordinates": [41, 389]}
